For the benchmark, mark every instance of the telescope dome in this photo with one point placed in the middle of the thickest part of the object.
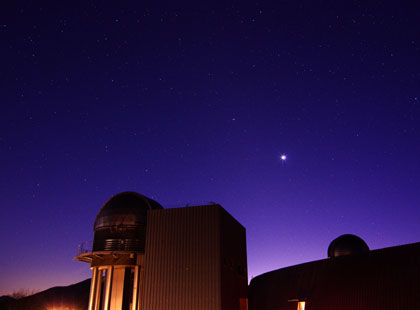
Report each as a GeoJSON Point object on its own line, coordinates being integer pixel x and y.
{"type": "Point", "coordinates": [121, 223]}
{"type": "Point", "coordinates": [125, 209]}
{"type": "Point", "coordinates": [347, 245]}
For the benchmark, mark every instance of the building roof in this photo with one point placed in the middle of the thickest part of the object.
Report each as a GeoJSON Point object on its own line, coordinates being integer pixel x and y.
{"type": "Point", "coordinates": [383, 279]}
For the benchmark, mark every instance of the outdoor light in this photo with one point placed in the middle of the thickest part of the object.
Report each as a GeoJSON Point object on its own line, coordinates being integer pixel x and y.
{"type": "Point", "coordinates": [301, 302]}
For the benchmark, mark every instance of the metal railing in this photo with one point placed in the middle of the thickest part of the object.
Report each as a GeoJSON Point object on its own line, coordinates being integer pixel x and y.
{"type": "Point", "coordinates": [118, 245]}
{"type": "Point", "coordinates": [110, 245]}
{"type": "Point", "coordinates": [84, 247]}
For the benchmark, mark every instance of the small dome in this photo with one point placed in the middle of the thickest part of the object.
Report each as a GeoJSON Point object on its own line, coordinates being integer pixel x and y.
{"type": "Point", "coordinates": [124, 210]}
{"type": "Point", "coordinates": [347, 245]}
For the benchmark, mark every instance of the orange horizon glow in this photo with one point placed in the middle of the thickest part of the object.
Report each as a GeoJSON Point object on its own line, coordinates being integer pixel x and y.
{"type": "Point", "coordinates": [61, 307]}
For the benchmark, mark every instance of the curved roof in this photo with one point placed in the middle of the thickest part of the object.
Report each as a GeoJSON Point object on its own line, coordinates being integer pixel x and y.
{"type": "Point", "coordinates": [347, 244]}
{"type": "Point", "coordinates": [349, 282]}
{"type": "Point", "coordinates": [127, 209]}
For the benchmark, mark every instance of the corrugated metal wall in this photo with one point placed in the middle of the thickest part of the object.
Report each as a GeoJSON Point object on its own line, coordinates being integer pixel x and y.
{"type": "Point", "coordinates": [182, 259]}
{"type": "Point", "coordinates": [234, 281]}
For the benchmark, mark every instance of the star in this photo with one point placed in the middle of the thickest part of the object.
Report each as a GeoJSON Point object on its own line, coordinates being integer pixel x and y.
{"type": "Point", "coordinates": [283, 157]}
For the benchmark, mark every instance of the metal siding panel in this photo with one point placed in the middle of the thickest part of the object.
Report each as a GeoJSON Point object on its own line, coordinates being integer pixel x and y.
{"type": "Point", "coordinates": [182, 259]}
{"type": "Point", "coordinates": [234, 281]}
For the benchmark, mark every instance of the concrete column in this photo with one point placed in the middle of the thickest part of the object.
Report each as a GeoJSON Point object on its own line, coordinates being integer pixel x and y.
{"type": "Point", "coordinates": [93, 287]}
{"type": "Point", "coordinates": [98, 288]}
{"type": "Point", "coordinates": [117, 288]}
{"type": "Point", "coordinates": [109, 272]}
{"type": "Point", "coordinates": [135, 287]}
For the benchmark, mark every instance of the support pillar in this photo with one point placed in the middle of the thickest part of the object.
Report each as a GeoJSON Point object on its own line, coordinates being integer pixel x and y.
{"type": "Point", "coordinates": [93, 288]}
{"type": "Point", "coordinates": [135, 287]}
{"type": "Point", "coordinates": [109, 273]}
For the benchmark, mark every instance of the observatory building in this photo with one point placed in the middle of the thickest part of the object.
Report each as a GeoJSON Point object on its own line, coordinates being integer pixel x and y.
{"type": "Point", "coordinates": [352, 277]}
{"type": "Point", "coordinates": [146, 257]}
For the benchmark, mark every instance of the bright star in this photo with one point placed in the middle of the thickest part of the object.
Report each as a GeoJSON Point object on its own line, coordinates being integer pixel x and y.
{"type": "Point", "coordinates": [283, 157]}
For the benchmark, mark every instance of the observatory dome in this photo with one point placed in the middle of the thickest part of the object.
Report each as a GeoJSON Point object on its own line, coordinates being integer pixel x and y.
{"type": "Point", "coordinates": [121, 223]}
{"type": "Point", "coordinates": [347, 245]}
{"type": "Point", "coordinates": [125, 209]}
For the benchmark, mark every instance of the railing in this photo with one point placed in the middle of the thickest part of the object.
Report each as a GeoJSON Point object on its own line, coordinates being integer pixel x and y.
{"type": "Point", "coordinates": [118, 245]}
{"type": "Point", "coordinates": [110, 245]}
{"type": "Point", "coordinates": [84, 247]}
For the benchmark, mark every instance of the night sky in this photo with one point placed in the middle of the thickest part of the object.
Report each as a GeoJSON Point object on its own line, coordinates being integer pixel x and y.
{"type": "Point", "coordinates": [195, 104]}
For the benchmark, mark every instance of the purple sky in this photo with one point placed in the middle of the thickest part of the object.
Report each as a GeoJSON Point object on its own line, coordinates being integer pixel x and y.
{"type": "Point", "coordinates": [192, 104]}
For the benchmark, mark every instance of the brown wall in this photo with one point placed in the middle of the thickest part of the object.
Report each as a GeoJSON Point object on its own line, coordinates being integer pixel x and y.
{"type": "Point", "coordinates": [234, 274]}
{"type": "Point", "coordinates": [183, 259]}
